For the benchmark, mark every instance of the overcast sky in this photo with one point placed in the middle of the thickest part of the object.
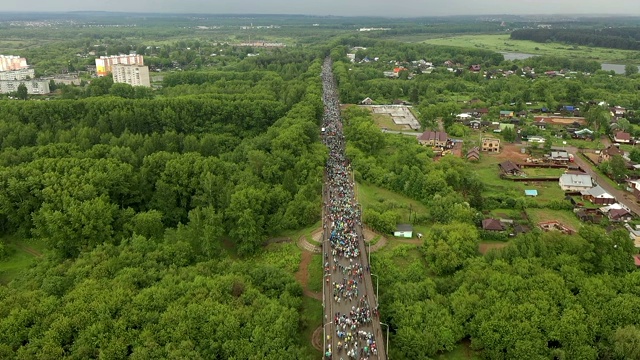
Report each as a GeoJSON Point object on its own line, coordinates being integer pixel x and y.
{"type": "Point", "coordinates": [406, 8]}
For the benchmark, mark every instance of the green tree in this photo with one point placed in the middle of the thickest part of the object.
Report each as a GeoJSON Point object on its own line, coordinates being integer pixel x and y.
{"type": "Point", "coordinates": [630, 69]}
{"type": "Point", "coordinates": [618, 168]}
{"type": "Point", "coordinates": [508, 134]}
{"type": "Point", "coordinates": [634, 155]}
{"type": "Point", "coordinates": [22, 93]}
{"type": "Point", "coordinates": [447, 247]}
{"type": "Point", "coordinates": [626, 342]}
{"type": "Point", "coordinates": [122, 90]}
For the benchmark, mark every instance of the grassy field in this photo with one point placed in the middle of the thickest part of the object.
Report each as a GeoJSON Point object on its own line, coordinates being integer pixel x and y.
{"type": "Point", "coordinates": [512, 214]}
{"type": "Point", "coordinates": [503, 43]}
{"type": "Point", "coordinates": [311, 319]}
{"type": "Point", "coordinates": [487, 170]}
{"type": "Point", "coordinates": [385, 121]}
{"type": "Point", "coordinates": [315, 273]}
{"type": "Point", "coordinates": [21, 254]}
{"type": "Point", "coordinates": [370, 195]}
{"type": "Point", "coordinates": [565, 217]}
{"type": "Point", "coordinates": [544, 172]}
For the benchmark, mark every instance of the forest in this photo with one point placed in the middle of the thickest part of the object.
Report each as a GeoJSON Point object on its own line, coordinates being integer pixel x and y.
{"type": "Point", "coordinates": [625, 38]}
{"type": "Point", "coordinates": [159, 210]}
{"type": "Point", "coordinates": [135, 196]}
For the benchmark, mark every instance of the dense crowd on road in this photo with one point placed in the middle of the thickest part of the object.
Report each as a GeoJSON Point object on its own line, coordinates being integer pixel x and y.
{"type": "Point", "coordinates": [343, 217]}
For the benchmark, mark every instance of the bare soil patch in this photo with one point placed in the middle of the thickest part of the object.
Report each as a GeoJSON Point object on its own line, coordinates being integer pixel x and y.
{"type": "Point", "coordinates": [485, 247]}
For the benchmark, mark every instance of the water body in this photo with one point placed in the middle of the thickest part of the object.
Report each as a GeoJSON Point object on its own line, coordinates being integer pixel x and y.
{"type": "Point", "coordinates": [617, 68]}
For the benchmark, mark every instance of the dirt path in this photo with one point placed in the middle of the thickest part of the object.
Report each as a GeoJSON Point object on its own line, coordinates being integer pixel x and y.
{"type": "Point", "coordinates": [302, 275]}
{"type": "Point", "coordinates": [316, 339]}
{"type": "Point", "coordinates": [29, 250]}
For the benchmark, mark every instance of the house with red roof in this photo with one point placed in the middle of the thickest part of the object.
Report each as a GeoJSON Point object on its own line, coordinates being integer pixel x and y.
{"type": "Point", "coordinates": [622, 137]}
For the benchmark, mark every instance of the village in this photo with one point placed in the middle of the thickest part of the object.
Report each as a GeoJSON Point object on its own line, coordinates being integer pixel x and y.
{"type": "Point", "coordinates": [550, 182]}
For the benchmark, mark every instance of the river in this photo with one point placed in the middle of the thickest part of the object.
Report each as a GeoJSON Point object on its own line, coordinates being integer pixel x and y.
{"type": "Point", "coordinates": [617, 68]}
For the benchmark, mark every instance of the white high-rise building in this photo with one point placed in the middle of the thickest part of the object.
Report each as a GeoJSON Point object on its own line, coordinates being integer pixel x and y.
{"type": "Point", "coordinates": [134, 75]}
{"type": "Point", "coordinates": [12, 62]}
{"type": "Point", "coordinates": [104, 64]}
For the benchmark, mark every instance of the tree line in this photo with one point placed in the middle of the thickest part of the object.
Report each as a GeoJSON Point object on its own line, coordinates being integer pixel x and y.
{"type": "Point", "coordinates": [625, 38]}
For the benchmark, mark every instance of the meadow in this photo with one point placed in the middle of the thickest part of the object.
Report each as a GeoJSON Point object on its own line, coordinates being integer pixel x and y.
{"type": "Point", "coordinates": [503, 43]}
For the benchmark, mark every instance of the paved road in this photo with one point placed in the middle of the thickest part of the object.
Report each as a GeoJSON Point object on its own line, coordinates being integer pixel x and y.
{"type": "Point", "coordinates": [351, 326]}
{"type": "Point", "coordinates": [624, 197]}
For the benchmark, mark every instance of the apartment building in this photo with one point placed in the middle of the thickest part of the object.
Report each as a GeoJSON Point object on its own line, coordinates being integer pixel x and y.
{"type": "Point", "coordinates": [104, 65]}
{"type": "Point", "coordinates": [34, 87]}
{"type": "Point", "coordinates": [21, 74]}
{"type": "Point", "coordinates": [133, 75]}
{"type": "Point", "coordinates": [12, 62]}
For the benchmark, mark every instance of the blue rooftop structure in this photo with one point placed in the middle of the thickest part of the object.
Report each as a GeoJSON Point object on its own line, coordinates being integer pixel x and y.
{"type": "Point", "coordinates": [531, 192]}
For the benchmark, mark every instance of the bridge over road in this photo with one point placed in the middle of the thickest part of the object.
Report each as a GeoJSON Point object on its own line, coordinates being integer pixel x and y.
{"type": "Point", "coordinates": [351, 327]}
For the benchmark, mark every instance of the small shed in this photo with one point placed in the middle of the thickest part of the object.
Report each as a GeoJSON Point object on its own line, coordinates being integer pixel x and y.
{"type": "Point", "coordinates": [509, 167]}
{"type": "Point", "coordinates": [367, 101]}
{"type": "Point", "coordinates": [533, 193]}
{"type": "Point", "coordinates": [403, 230]}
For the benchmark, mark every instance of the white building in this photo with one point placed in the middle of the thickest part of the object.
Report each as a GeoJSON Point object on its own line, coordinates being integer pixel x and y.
{"type": "Point", "coordinates": [105, 64]}
{"type": "Point", "coordinates": [12, 62]}
{"type": "Point", "coordinates": [34, 87]}
{"type": "Point", "coordinates": [21, 74]}
{"type": "Point", "coordinates": [133, 75]}
{"type": "Point", "coordinates": [574, 182]}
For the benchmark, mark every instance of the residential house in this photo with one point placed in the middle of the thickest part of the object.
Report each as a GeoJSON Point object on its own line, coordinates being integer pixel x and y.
{"type": "Point", "coordinates": [434, 138]}
{"type": "Point", "coordinates": [475, 67]}
{"type": "Point", "coordinates": [598, 195]}
{"type": "Point", "coordinates": [492, 225]}
{"type": "Point", "coordinates": [618, 215]}
{"type": "Point", "coordinates": [608, 153]}
{"type": "Point", "coordinates": [540, 124]}
{"type": "Point", "coordinates": [635, 189]}
{"type": "Point", "coordinates": [575, 182]}
{"type": "Point", "coordinates": [520, 229]}
{"type": "Point", "coordinates": [509, 168]}
{"type": "Point", "coordinates": [617, 212]}
{"type": "Point", "coordinates": [473, 154]}
{"type": "Point", "coordinates": [463, 116]}
{"type": "Point", "coordinates": [506, 114]}
{"type": "Point", "coordinates": [367, 101]}
{"type": "Point", "coordinates": [403, 230]}
{"type": "Point", "coordinates": [522, 113]}
{"type": "Point", "coordinates": [476, 112]}
{"type": "Point", "coordinates": [475, 124]}
{"type": "Point", "coordinates": [618, 112]}
{"type": "Point", "coordinates": [398, 69]}
{"type": "Point", "coordinates": [560, 157]}
{"type": "Point", "coordinates": [536, 139]}
{"type": "Point", "coordinates": [490, 144]}
{"type": "Point", "coordinates": [583, 134]}
{"type": "Point", "coordinates": [622, 137]}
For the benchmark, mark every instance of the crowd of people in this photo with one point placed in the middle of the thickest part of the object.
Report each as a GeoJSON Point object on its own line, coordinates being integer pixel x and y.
{"type": "Point", "coordinates": [343, 215]}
